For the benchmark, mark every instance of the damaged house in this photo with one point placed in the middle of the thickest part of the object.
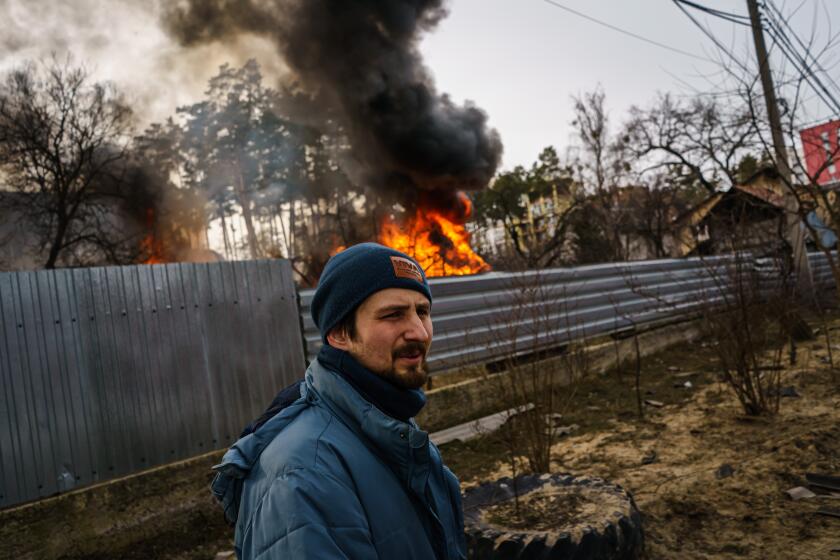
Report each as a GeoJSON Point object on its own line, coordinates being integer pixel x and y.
{"type": "Point", "coordinates": [747, 217]}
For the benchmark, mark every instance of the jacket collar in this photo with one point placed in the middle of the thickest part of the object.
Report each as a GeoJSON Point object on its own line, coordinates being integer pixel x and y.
{"type": "Point", "coordinates": [401, 445]}
{"type": "Point", "coordinates": [399, 403]}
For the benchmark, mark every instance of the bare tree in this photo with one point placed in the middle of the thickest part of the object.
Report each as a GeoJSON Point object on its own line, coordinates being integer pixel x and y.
{"type": "Point", "coordinates": [63, 139]}
{"type": "Point", "coordinates": [601, 168]}
{"type": "Point", "coordinates": [700, 141]}
{"type": "Point", "coordinates": [654, 212]}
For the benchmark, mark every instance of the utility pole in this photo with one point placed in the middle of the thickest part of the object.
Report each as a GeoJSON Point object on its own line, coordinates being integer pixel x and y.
{"type": "Point", "coordinates": [793, 226]}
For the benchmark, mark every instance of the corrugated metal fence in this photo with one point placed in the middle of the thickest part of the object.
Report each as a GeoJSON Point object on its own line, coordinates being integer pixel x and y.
{"type": "Point", "coordinates": [108, 371]}
{"type": "Point", "coordinates": [480, 319]}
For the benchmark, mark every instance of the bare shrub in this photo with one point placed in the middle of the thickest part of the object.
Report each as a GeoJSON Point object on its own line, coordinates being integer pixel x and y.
{"type": "Point", "coordinates": [749, 317]}
{"type": "Point", "coordinates": [543, 368]}
{"type": "Point", "coordinates": [748, 311]}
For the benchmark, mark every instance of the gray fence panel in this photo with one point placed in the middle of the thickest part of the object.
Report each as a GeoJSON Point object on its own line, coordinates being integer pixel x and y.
{"type": "Point", "coordinates": [290, 335]}
{"type": "Point", "coordinates": [821, 269]}
{"type": "Point", "coordinates": [107, 371]}
{"type": "Point", "coordinates": [483, 318]}
{"type": "Point", "coordinates": [192, 342]}
{"type": "Point", "coordinates": [258, 277]}
{"type": "Point", "coordinates": [16, 428]}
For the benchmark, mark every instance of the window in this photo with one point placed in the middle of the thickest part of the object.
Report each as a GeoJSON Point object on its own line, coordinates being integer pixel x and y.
{"type": "Point", "coordinates": [829, 155]}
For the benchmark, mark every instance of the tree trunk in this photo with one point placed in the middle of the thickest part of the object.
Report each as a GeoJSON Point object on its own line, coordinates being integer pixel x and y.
{"type": "Point", "coordinates": [58, 242]}
{"type": "Point", "coordinates": [234, 241]}
{"type": "Point", "coordinates": [283, 235]}
{"type": "Point", "coordinates": [225, 238]}
{"type": "Point", "coordinates": [245, 204]}
{"type": "Point", "coordinates": [292, 226]}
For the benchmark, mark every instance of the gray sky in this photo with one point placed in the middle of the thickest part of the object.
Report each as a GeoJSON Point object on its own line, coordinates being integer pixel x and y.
{"type": "Point", "coordinates": [520, 60]}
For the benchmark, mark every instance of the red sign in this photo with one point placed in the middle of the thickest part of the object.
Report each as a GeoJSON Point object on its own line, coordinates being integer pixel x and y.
{"type": "Point", "coordinates": [821, 145]}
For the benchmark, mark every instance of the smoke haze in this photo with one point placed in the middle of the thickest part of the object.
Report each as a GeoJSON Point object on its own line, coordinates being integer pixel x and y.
{"type": "Point", "coordinates": [361, 59]}
{"type": "Point", "coordinates": [122, 41]}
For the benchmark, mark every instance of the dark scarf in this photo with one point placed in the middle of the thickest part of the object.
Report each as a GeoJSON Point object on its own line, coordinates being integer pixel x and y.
{"type": "Point", "coordinates": [394, 401]}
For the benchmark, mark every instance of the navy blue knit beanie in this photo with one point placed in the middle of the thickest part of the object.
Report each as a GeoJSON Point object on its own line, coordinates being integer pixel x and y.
{"type": "Point", "coordinates": [354, 274]}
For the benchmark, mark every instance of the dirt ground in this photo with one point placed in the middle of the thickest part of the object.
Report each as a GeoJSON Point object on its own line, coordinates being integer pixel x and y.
{"type": "Point", "coordinates": [709, 480]}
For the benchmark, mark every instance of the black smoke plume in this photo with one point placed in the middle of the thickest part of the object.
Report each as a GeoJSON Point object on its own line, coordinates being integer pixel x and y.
{"type": "Point", "coordinates": [361, 59]}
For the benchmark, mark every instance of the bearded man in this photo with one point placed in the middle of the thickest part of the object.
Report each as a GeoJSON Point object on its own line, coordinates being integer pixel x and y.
{"type": "Point", "coordinates": [340, 469]}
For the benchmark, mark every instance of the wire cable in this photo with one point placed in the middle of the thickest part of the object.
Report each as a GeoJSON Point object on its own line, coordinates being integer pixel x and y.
{"type": "Point", "coordinates": [628, 33]}
{"type": "Point", "coordinates": [711, 36]}
{"type": "Point", "coordinates": [729, 16]}
{"type": "Point", "coordinates": [802, 67]}
{"type": "Point", "coordinates": [781, 20]}
{"type": "Point", "coordinates": [799, 62]}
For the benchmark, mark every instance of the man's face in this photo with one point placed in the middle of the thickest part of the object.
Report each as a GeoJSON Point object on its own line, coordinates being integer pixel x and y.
{"type": "Point", "coordinates": [393, 335]}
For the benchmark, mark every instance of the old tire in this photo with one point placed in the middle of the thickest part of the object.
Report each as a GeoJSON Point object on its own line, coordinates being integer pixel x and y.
{"type": "Point", "coordinates": [612, 530]}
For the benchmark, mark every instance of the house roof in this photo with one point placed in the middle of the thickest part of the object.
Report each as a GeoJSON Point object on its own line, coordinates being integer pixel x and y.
{"type": "Point", "coordinates": [767, 195]}
{"type": "Point", "coordinates": [697, 214]}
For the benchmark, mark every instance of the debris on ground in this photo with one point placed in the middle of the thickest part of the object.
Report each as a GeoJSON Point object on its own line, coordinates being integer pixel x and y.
{"type": "Point", "coordinates": [829, 512]}
{"type": "Point", "coordinates": [475, 428]}
{"type": "Point", "coordinates": [799, 329]}
{"type": "Point", "coordinates": [799, 493]}
{"type": "Point", "coordinates": [724, 471]}
{"type": "Point", "coordinates": [789, 392]}
{"type": "Point", "coordinates": [824, 481]}
{"type": "Point", "coordinates": [565, 430]}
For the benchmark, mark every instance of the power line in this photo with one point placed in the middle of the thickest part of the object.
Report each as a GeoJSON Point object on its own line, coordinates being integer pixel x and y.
{"type": "Point", "coordinates": [799, 62]}
{"type": "Point", "coordinates": [781, 19]}
{"type": "Point", "coordinates": [780, 39]}
{"type": "Point", "coordinates": [710, 35]}
{"type": "Point", "coordinates": [729, 16]}
{"type": "Point", "coordinates": [625, 32]}
{"type": "Point", "coordinates": [807, 61]}
{"type": "Point", "coordinates": [808, 77]}
{"type": "Point", "coordinates": [802, 66]}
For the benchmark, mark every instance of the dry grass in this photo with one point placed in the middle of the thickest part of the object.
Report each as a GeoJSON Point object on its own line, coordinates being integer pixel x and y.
{"type": "Point", "coordinates": [691, 513]}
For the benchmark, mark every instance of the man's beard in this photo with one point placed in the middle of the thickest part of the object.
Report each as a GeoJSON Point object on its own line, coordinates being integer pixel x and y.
{"type": "Point", "coordinates": [414, 376]}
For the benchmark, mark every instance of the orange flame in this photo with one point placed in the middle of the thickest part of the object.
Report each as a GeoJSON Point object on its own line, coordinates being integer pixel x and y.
{"type": "Point", "coordinates": [152, 245]}
{"type": "Point", "coordinates": [440, 244]}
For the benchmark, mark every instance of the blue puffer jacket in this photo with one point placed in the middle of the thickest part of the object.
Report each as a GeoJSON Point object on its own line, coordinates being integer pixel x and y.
{"type": "Point", "coordinates": [331, 476]}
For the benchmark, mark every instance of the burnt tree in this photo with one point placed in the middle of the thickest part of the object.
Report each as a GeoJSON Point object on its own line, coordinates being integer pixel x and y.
{"type": "Point", "coordinates": [63, 142]}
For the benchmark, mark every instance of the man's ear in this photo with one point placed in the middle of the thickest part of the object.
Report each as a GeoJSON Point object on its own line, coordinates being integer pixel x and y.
{"type": "Point", "coordinates": [337, 338]}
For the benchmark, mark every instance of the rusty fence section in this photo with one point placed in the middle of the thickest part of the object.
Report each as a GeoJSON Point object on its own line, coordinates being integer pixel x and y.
{"type": "Point", "coordinates": [109, 371]}
{"type": "Point", "coordinates": [499, 315]}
